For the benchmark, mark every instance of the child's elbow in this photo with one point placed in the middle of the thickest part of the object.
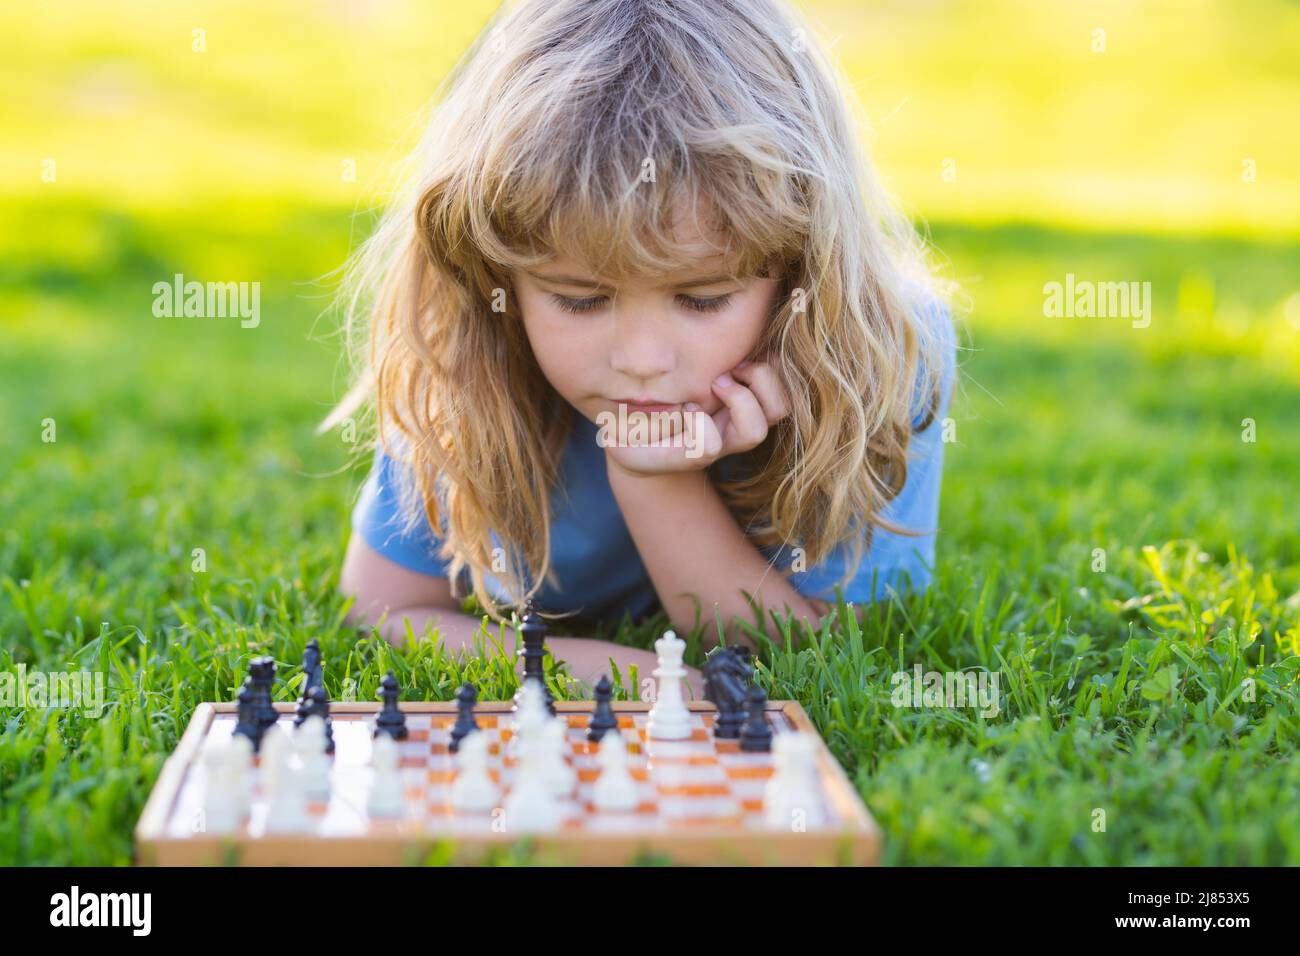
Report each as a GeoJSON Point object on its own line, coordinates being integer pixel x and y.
{"type": "Point", "coordinates": [360, 583]}
{"type": "Point", "coordinates": [361, 610]}
{"type": "Point", "coordinates": [379, 586]}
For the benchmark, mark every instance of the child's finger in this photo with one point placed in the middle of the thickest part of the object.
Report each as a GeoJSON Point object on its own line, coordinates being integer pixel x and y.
{"type": "Point", "coordinates": [704, 433]}
{"type": "Point", "coordinates": [748, 421]}
{"type": "Point", "coordinates": [767, 388]}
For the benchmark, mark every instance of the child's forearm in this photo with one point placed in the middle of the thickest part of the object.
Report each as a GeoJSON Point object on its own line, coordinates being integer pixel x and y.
{"type": "Point", "coordinates": [691, 546]}
{"type": "Point", "coordinates": [587, 659]}
{"type": "Point", "coordinates": [456, 631]}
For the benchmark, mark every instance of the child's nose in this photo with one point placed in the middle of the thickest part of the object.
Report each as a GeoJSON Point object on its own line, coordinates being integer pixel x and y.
{"type": "Point", "coordinates": [640, 352]}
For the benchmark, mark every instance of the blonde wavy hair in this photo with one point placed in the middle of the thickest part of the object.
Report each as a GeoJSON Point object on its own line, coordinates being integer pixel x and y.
{"type": "Point", "coordinates": [537, 147]}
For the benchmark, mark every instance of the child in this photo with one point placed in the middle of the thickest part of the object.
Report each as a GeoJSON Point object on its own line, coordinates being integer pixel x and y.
{"type": "Point", "coordinates": [645, 332]}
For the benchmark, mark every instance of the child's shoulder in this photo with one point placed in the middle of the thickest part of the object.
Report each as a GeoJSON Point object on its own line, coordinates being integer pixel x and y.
{"type": "Point", "coordinates": [929, 309]}
{"type": "Point", "coordinates": [931, 316]}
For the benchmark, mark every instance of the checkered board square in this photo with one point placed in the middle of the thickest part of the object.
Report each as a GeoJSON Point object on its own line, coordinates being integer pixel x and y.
{"type": "Point", "coordinates": [701, 798]}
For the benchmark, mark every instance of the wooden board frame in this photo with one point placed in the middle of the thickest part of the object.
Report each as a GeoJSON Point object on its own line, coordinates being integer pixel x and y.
{"type": "Point", "coordinates": [857, 845]}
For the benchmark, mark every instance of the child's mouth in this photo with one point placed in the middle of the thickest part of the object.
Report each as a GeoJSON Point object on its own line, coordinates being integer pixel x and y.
{"type": "Point", "coordinates": [648, 407]}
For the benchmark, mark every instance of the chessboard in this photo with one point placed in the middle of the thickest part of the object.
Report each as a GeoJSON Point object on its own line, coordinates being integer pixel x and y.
{"type": "Point", "coordinates": [701, 798]}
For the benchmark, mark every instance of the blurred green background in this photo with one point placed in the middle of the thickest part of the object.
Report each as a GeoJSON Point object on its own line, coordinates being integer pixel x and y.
{"type": "Point", "coordinates": [1164, 149]}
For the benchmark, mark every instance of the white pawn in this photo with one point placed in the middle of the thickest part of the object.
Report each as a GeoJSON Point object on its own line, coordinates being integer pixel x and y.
{"type": "Point", "coordinates": [309, 741]}
{"type": "Point", "coordinates": [268, 756]}
{"type": "Point", "coordinates": [531, 806]}
{"type": "Point", "coordinates": [531, 716]}
{"type": "Point", "coordinates": [791, 794]}
{"type": "Point", "coordinates": [223, 803]}
{"type": "Point", "coordinates": [274, 741]}
{"type": "Point", "coordinates": [473, 788]}
{"type": "Point", "coordinates": [386, 798]}
{"type": "Point", "coordinates": [669, 719]}
{"type": "Point", "coordinates": [615, 790]}
{"type": "Point", "coordinates": [552, 739]}
{"type": "Point", "coordinates": [286, 810]}
{"type": "Point", "coordinates": [241, 772]}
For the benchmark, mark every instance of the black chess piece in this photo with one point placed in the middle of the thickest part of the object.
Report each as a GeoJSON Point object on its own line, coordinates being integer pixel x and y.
{"type": "Point", "coordinates": [727, 677]}
{"type": "Point", "coordinates": [314, 677]}
{"type": "Point", "coordinates": [533, 631]}
{"type": "Point", "coordinates": [261, 672]}
{"type": "Point", "coordinates": [391, 719]}
{"type": "Point", "coordinates": [318, 705]}
{"type": "Point", "coordinates": [603, 718]}
{"type": "Point", "coordinates": [466, 698]}
{"type": "Point", "coordinates": [756, 735]}
{"type": "Point", "coordinates": [246, 725]}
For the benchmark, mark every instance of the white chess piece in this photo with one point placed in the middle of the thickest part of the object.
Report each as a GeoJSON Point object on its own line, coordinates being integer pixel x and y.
{"type": "Point", "coordinates": [791, 795]}
{"type": "Point", "coordinates": [553, 742]}
{"type": "Point", "coordinates": [310, 741]}
{"type": "Point", "coordinates": [386, 798]}
{"type": "Point", "coordinates": [269, 757]}
{"type": "Point", "coordinates": [531, 716]}
{"type": "Point", "coordinates": [286, 810]}
{"type": "Point", "coordinates": [473, 788]}
{"type": "Point", "coordinates": [241, 772]}
{"type": "Point", "coordinates": [531, 805]}
{"type": "Point", "coordinates": [223, 801]}
{"type": "Point", "coordinates": [615, 790]}
{"type": "Point", "coordinates": [669, 719]}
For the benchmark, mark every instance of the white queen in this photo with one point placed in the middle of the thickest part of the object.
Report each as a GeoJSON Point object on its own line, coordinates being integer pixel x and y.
{"type": "Point", "coordinates": [669, 719]}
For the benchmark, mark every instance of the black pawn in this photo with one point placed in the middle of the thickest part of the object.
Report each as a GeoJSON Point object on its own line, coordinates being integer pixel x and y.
{"type": "Point", "coordinates": [533, 631]}
{"type": "Point", "coordinates": [261, 674]}
{"type": "Point", "coordinates": [466, 698]}
{"type": "Point", "coordinates": [318, 705]}
{"type": "Point", "coordinates": [247, 725]}
{"type": "Point", "coordinates": [603, 718]}
{"type": "Point", "coordinates": [756, 735]}
{"type": "Point", "coordinates": [313, 677]}
{"type": "Point", "coordinates": [391, 719]}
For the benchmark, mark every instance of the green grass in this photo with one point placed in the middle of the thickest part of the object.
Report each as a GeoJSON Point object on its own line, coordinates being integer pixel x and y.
{"type": "Point", "coordinates": [1160, 689]}
{"type": "Point", "coordinates": [1122, 689]}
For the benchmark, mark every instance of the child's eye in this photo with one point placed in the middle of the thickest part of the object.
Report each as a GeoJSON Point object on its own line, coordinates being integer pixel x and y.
{"type": "Point", "coordinates": [693, 302]}
{"type": "Point", "coordinates": [698, 304]}
{"type": "Point", "coordinates": [588, 304]}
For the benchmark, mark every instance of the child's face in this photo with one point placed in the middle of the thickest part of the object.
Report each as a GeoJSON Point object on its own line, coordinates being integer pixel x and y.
{"type": "Point", "coordinates": [661, 341]}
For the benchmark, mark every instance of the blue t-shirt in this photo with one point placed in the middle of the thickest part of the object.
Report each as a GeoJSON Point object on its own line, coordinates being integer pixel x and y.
{"type": "Point", "coordinates": [596, 564]}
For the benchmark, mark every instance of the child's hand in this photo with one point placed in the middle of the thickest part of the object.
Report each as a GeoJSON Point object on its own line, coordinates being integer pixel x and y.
{"type": "Point", "coordinates": [753, 400]}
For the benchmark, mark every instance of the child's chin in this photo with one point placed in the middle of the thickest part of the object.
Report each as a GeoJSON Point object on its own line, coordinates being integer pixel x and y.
{"type": "Point", "coordinates": [658, 461]}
